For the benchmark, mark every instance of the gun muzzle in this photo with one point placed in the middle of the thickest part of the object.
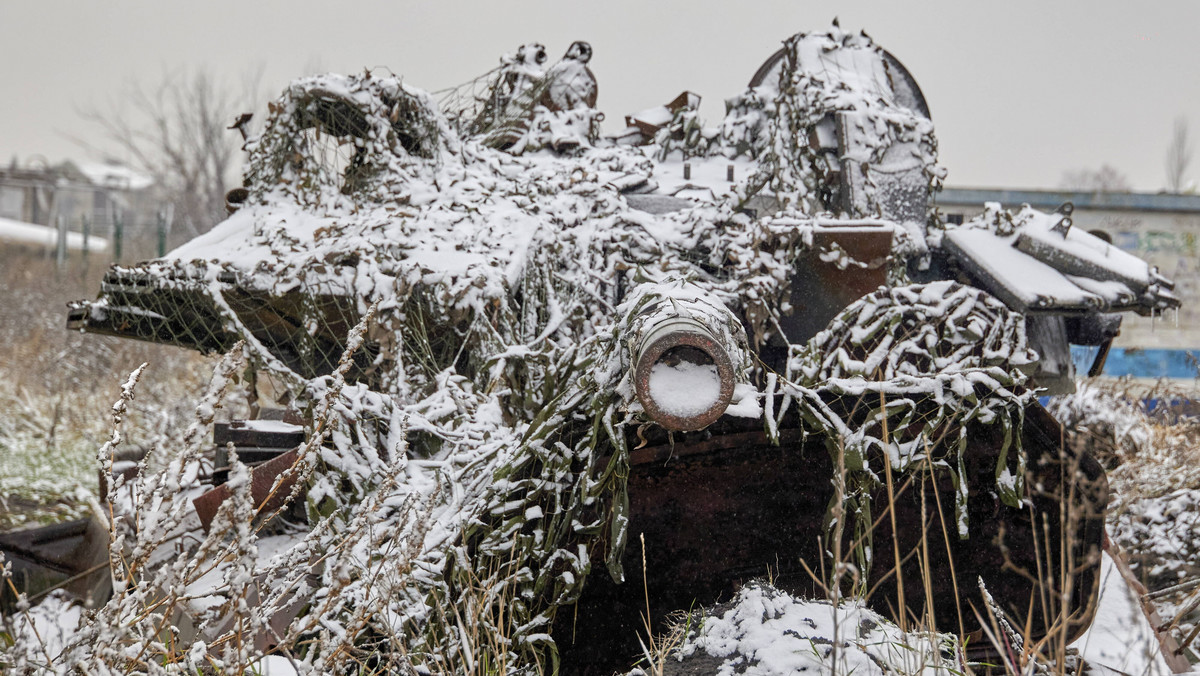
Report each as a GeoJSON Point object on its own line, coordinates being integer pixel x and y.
{"type": "Point", "coordinates": [683, 375]}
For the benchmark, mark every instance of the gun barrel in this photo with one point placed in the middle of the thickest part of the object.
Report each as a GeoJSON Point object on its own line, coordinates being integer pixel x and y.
{"type": "Point", "coordinates": [683, 375]}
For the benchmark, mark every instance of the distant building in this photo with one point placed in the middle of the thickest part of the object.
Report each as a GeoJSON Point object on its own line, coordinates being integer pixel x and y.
{"type": "Point", "coordinates": [1163, 229]}
{"type": "Point", "coordinates": [99, 194]}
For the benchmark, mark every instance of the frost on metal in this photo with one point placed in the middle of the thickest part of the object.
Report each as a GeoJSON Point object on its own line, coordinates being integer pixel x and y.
{"type": "Point", "coordinates": [1037, 262]}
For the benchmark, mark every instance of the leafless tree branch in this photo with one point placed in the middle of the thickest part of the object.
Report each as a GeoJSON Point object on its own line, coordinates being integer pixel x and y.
{"type": "Point", "coordinates": [176, 130]}
{"type": "Point", "coordinates": [1179, 156]}
{"type": "Point", "coordinates": [1105, 179]}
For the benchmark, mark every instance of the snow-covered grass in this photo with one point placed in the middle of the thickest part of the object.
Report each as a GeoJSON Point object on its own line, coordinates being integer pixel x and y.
{"type": "Point", "coordinates": [57, 386]}
{"type": "Point", "coordinates": [764, 631]}
{"type": "Point", "coordinates": [1153, 462]}
{"type": "Point", "coordinates": [243, 585]}
{"type": "Point", "coordinates": [59, 391]}
{"type": "Point", "coordinates": [1154, 475]}
{"type": "Point", "coordinates": [1154, 520]}
{"type": "Point", "coordinates": [761, 631]}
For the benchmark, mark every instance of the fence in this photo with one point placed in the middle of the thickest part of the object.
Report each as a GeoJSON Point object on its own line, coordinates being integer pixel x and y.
{"type": "Point", "coordinates": [100, 237]}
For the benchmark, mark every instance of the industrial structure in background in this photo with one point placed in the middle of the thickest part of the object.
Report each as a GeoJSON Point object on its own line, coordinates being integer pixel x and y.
{"type": "Point", "coordinates": [99, 208]}
{"type": "Point", "coordinates": [1161, 228]}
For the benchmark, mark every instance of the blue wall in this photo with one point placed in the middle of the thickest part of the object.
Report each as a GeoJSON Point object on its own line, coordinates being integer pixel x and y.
{"type": "Point", "coordinates": [1138, 363]}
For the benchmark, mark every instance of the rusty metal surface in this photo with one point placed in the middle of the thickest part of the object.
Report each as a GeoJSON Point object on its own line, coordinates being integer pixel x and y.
{"type": "Point", "coordinates": [711, 520]}
{"type": "Point", "coordinates": [262, 478]}
{"type": "Point", "coordinates": [1067, 495]}
{"type": "Point", "coordinates": [648, 128]}
{"type": "Point", "coordinates": [666, 453]}
{"type": "Point", "coordinates": [734, 507]}
{"type": "Point", "coordinates": [820, 290]}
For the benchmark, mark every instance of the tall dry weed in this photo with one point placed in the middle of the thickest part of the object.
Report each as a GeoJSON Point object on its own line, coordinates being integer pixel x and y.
{"type": "Point", "coordinates": [1154, 475]}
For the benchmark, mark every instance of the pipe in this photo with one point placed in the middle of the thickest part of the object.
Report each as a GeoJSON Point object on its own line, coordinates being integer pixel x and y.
{"type": "Point", "coordinates": [234, 199]}
{"type": "Point", "coordinates": [683, 375]}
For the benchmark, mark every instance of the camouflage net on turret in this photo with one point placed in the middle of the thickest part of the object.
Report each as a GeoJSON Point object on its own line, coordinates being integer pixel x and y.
{"type": "Point", "coordinates": [466, 454]}
{"type": "Point", "coordinates": [779, 123]}
{"type": "Point", "coordinates": [923, 365]}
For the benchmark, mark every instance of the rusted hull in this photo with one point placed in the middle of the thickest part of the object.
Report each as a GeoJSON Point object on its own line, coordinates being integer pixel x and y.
{"type": "Point", "coordinates": [722, 511]}
{"type": "Point", "coordinates": [72, 556]}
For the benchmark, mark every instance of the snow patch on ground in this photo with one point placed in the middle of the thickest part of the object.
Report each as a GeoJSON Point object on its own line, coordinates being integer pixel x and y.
{"type": "Point", "coordinates": [764, 631]}
{"type": "Point", "coordinates": [49, 625]}
{"type": "Point", "coordinates": [1121, 637]}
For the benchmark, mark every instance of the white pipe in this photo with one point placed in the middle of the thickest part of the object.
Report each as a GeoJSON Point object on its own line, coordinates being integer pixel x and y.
{"type": "Point", "coordinates": [18, 232]}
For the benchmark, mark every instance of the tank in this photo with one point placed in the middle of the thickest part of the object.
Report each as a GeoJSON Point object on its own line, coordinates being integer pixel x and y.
{"type": "Point", "coordinates": [624, 374]}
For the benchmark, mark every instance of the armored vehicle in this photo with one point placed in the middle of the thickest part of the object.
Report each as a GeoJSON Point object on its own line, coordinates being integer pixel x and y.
{"type": "Point", "coordinates": [582, 378]}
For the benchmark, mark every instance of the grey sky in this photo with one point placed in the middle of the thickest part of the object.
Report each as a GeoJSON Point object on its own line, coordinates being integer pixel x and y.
{"type": "Point", "coordinates": [1019, 91]}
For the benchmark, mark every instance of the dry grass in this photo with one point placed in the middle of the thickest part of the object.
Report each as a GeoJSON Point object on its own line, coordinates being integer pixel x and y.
{"type": "Point", "coordinates": [1154, 474]}
{"type": "Point", "coordinates": [56, 387]}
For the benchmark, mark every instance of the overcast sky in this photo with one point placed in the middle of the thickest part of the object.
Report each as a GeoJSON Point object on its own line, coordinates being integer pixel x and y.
{"type": "Point", "coordinates": [1019, 91]}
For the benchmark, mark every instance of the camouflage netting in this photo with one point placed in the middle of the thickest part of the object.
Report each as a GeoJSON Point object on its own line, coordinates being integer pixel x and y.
{"type": "Point", "coordinates": [921, 364]}
{"type": "Point", "coordinates": [518, 107]}
{"type": "Point", "coordinates": [467, 457]}
{"type": "Point", "coordinates": [781, 123]}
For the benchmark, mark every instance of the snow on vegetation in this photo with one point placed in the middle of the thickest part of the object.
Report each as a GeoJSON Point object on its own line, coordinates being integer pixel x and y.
{"type": "Point", "coordinates": [1154, 473]}
{"type": "Point", "coordinates": [766, 632]}
{"type": "Point", "coordinates": [938, 353]}
{"type": "Point", "coordinates": [58, 387]}
{"type": "Point", "coordinates": [466, 454]}
{"type": "Point", "coordinates": [51, 624]}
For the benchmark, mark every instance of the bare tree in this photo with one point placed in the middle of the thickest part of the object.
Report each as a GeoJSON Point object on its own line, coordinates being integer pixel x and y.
{"type": "Point", "coordinates": [1105, 179]}
{"type": "Point", "coordinates": [1179, 156]}
{"type": "Point", "coordinates": [177, 131]}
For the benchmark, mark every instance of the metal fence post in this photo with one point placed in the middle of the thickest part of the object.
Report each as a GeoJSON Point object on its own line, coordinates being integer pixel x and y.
{"type": "Point", "coordinates": [86, 228]}
{"type": "Point", "coordinates": [118, 234]}
{"type": "Point", "coordinates": [60, 253]}
{"type": "Point", "coordinates": [162, 233]}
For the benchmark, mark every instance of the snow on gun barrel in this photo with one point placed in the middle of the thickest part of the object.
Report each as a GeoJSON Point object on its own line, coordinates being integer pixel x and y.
{"type": "Point", "coordinates": [683, 371]}
{"type": "Point", "coordinates": [563, 324]}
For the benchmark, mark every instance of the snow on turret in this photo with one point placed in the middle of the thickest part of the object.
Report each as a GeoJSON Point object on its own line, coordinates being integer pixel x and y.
{"type": "Point", "coordinates": [489, 254]}
{"type": "Point", "coordinates": [570, 83]}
